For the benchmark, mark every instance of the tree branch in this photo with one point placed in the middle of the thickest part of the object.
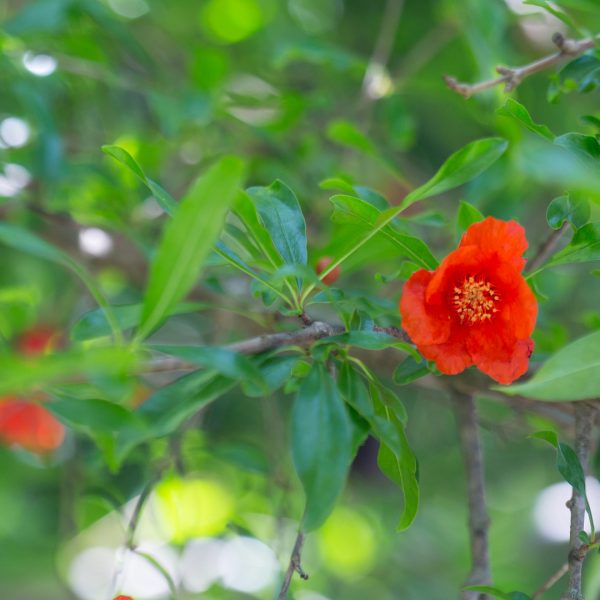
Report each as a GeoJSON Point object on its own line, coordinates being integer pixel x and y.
{"type": "Point", "coordinates": [479, 521]}
{"type": "Point", "coordinates": [511, 77]}
{"type": "Point", "coordinates": [547, 248]}
{"type": "Point", "coordinates": [294, 566]}
{"type": "Point", "coordinates": [583, 433]}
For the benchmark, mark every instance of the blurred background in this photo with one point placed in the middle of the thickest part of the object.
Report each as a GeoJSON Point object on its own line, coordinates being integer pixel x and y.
{"type": "Point", "coordinates": [306, 90]}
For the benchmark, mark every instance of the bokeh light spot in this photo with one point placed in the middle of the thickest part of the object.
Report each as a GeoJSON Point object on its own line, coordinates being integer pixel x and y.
{"type": "Point", "coordinates": [193, 508]}
{"type": "Point", "coordinates": [347, 543]}
{"type": "Point", "coordinates": [231, 21]}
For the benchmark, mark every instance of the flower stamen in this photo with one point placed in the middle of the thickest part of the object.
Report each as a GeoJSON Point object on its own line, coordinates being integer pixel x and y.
{"type": "Point", "coordinates": [475, 301]}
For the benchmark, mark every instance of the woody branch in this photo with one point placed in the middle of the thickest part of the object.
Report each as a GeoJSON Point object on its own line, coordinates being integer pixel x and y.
{"type": "Point", "coordinates": [511, 77]}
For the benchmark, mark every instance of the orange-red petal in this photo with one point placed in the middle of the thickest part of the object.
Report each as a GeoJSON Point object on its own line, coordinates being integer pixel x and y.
{"type": "Point", "coordinates": [493, 236]}
{"type": "Point", "coordinates": [30, 426]}
{"type": "Point", "coordinates": [451, 357]}
{"type": "Point", "coordinates": [423, 324]}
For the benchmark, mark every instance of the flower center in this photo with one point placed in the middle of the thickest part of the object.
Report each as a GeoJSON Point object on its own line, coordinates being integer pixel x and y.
{"type": "Point", "coordinates": [475, 300]}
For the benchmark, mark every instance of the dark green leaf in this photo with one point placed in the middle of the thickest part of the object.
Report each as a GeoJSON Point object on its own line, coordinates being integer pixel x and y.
{"type": "Point", "coordinates": [369, 340]}
{"type": "Point", "coordinates": [410, 370]}
{"type": "Point", "coordinates": [572, 208]}
{"type": "Point", "coordinates": [321, 444]}
{"type": "Point", "coordinates": [517, 111]}
{"type": "Point", "coordinates": [282, 216]}
{"type": "Point", "coordinates": [584, 247]}
{"type": "Point", "coordinates": [187, 240]}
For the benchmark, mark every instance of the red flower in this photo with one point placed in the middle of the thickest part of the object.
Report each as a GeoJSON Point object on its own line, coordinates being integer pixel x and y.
{"type": "Point", "coordinates": [322, 264]}
{"type": "Point", "coordinates": [29, 425]}
{"type": "Point", "coordinates": [475, 308]}
{"type": "Point", "coordinates": [122, 598]}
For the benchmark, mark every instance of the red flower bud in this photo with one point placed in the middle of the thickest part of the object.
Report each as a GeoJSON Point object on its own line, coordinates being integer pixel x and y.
{"type": "Point", "coordinates": [38, 340]}
{"type": "Point", "coordinates": [322, 264]}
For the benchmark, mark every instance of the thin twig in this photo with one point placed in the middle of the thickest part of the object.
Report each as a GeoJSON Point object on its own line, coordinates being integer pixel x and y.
{"type": "Point", "coordinates": [583, 433]}
{"type": "Point", "coordinates": [511, 77]}
{"type": "Point", "coordinates": [551, 581]}
{"type": "Point", "coordinates": [479, 521]}
{"type": "Point", "coordinates": [294, 566]}
{"type": "Point", "coordinates": [547, 248]}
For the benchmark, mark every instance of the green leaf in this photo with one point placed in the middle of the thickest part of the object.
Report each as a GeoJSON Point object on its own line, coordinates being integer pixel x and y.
{"type": "Point", "coordinates": [517, 111]}
{"type": "Point", "coordinates": [20, 374]}
{"type": "Point", "coordinates": [569, 466]}
{"type": "Point", "coordinates": [497, 593]}
{"type": "Point", "coordinates": [166, 201]}
{"type": "Point", "coordinates": [585, 148]}
{"type": "Point", "coordinates": [573, 373]}
{"type": "Point", "coordinates": [574, 209]}
{"type": "Point", "coordinates": [584, 247]}
{"type": "Point", "coordinates": [187, 240]}
{"type": "Point", "coordinates": [356, 210]}
{"type": "Point", "coordinates": [25, 241]}
{"type": "Point", "coordinates": [226, 362]}
{"type": "Point", "coordinates": [462, 166]}
{"type": "Point", "coordinates": [561, 15]}
{"type": "Point", "coordinates": [410, 370]}
{"type": "Point", "coordinates": [581, 75]}
{"type": "Point", "coordinates": [369, 340]}
{"type": "Point", "coordinates": [282, 217]}
{"type": "Point", "coordinates": [94, 416]}
{"type": "Point", "coordinates": [321, 444]}
{"type": "Point", "coordinates": [346, 134]}
{"type": "Point", "coordinates": [93, 324]}
{"type": "Point", "coordinates": [401, 469]}
{"type": "Point", "coordinates": [467, 215]}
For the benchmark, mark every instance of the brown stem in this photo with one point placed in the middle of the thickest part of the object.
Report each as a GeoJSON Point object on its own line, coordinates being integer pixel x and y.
{"type": "Point", "coordinates": [479, 521]}
{"type": "Point", "coordinates": [511, 77]}
{"type": "Point", "coordinates": [294, 566]}
{"type": "Point", "coordinates": [547, 248]}
{"type": "Point", "coordinates": [583, 434]}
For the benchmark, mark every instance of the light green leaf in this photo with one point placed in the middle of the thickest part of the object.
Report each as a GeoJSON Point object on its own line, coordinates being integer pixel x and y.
{"type": "Point", "coordinates": [517, 111]}
{"type": "Point", "coordinates": [187, 240]}
{"type": "Point", "coordinates": [573, 373]}
{"type": "Point", "coordinates": [561, 15]}
{"type": "Point", "coordinates": [163, 197]}
{"type": "Point", "coordinates": [585, 148]}
{"type": "Point", "coordinates": [20, 374]}
{"type": "Point", "coordinates": [347, 134]}
{"type": "Point", "coordinates": [467, 215]}
{"type": "Point", "coordinates": [321, 444]}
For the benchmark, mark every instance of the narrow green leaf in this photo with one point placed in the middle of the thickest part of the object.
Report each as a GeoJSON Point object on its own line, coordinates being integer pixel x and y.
{"type": "Point", "coordinates": [321, 444]}
{"type": "Point", "coordinates": [93, 324]}
{"type": "Point", "coordinates": [467, 215]}
{"type": "Point", "coordinates": [584, 247]}
{"type": "Point", "coordinates": [226, 362]}
{"type": "Point", "coordinates": [573, 373]}
{"type": "Point", "coordinates": [357, 210]}
{"type": "Point", "coordinates": [165, 200]}
{"type": "Point", "coordinates": [20, 374]}
{"type": "Point", "coordinates": [94, 415]}
{"type": "Point", "coordinates": [187, 240]}
{"type": "Point", "coordinates": [462, 166]}
{"type": "Point", "coordinates": [571, 208]}
{"type": "Point", "coordinates": [280, 213]}
{"type": "Point", "coordinates": [561, 15]}
{"type": "Point", "coordinates": [25, 241]}
{"type": "Point", "coordinates": [517, 111]}
{"type": "Point", "coordinates": [346, 134]}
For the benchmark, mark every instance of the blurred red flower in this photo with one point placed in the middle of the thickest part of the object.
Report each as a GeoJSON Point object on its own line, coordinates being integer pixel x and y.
{"type": "Point", "coordinates": [475, 308]}
{"type": "Point", "coordinates": [122, 598]}
{"type": "Point", "coordinates": [23, 422]}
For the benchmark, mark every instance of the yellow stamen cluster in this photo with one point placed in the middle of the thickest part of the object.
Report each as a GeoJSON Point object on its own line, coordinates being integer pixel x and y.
{"type": "Point", "coordinates": [475, 301]}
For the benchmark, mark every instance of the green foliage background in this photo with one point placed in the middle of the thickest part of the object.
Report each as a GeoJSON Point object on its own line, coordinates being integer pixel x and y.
{"type": "Point", "coordinates": [180, 86]}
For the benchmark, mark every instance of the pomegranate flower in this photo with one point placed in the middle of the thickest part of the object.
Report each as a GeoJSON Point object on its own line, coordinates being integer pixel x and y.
{"type": "Point", "coordinates": [475, 308]}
